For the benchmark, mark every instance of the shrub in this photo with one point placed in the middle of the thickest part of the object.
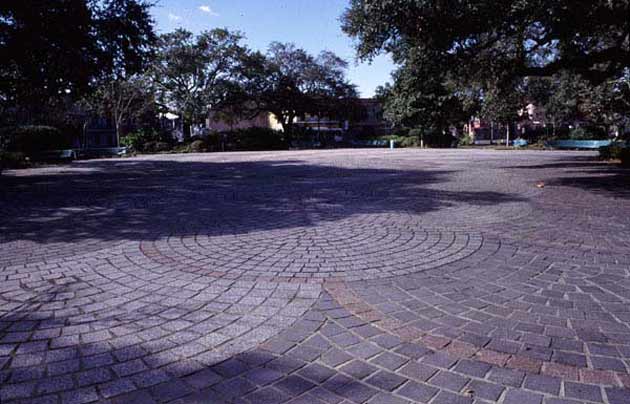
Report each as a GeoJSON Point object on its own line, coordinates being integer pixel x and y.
{"type": "Point", "coordinates": [624, 155]}
{"type": "Point", "coordinates": [12, 160]}
{"type": "Point", "coordinates": [257, 139]}
{"type": "Point", "coordinates": [588, 132]}
{"type": "Point", "coordinates": [466, 140]}
{"type": "Point", "coordinates": [408, 141]}
{"type": "Point", "coordinates": [134, 141]}
{"type": "Point", "coordinates": [198, 146]}
{"type": "Point", "coordinates": [611, 152]}
{"type": "Point", "coordinates": [33, 139]}
{"type": "Point", "coordinates": [156, 147]}
{"type": "Point", "coordinates": [145, 140]}
{"type": "Point", "coordinates": [435, 138]}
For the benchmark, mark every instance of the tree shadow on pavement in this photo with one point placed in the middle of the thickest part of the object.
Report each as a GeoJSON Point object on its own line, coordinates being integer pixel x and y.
{"type": "Point", "coordinates": [147, 199]}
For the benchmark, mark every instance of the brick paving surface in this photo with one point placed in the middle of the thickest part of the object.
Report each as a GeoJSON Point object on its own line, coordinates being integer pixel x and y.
{"type": "Point", "coordinates": [348, 276]}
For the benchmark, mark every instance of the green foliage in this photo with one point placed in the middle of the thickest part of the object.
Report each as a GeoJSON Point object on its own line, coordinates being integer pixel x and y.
{"type": "Point", "coordinates": [466, 140]}
{"type": "Point", "coordinates": [291, 83]}
{"type": "Point", "coordinates": [422, 96]}
{"type": "Point", "coordinates": [460, 57]}
{"type": "Point", "coordinates": [146, 140]}
{"type": "Point", "coordinates": [50, 47]}
{"type": "Point", "coordinates": [256, 139]}
{"type": "Point", "coordinates": [616, 151]}
{"type": "Point", "coordinates": [432, 137]}
{"type": "Point", "coordinates": [191, 72]}
{"type": "Point", "coordinates": [437, 139]}
{"type": "Point", "coordinates": [12, 160]}
{"type": "Point", "coordinates": [33, 139]}
{"type": "Point", "coordinates": [156, 147]}
{"type": "Point", "coordinates": [480, 41]}
{"type": "Point", "coordinates": [133, 141]}
{"type": "Point", "coordinates": [416, 132]}
{"type": "Point", "coordinates": [402, 141]}
{"type": "Point", "coordinates": [588, 132]}
{"type": "Point", "coordinates": [198, 146]}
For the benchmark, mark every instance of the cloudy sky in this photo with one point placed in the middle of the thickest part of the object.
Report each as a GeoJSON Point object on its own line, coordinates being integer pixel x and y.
{"type": "Point", "coordinates": [311, 24]}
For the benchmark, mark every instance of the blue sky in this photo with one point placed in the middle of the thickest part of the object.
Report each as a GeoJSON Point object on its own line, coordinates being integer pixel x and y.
{"type": "Point", "coordinates": [311, 24]}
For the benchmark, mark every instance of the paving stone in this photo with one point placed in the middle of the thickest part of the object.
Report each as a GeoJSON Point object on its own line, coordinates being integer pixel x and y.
{"type": "Point", "coordinates": [268, 395]}
{"type": "Point", "coordinates": [80, 396]}
{"type": "Point", "coordinates": [316, 373]}
{"type": "Point", "coordinates": [522, 397]}
{"type": "Point", "coordinates": [294, 385]}
{"type": "Point", "coordinates": [583, 391]}
{"type": "Point", "coordinates": [358, 369]}
{"type": "Point", "coordinates": [386, 380]}
{"type": "Point", "coordinates": [507, 377]}
{"type": "Point", "coordinates": [418, 371]}
{"type": "Point", "coordinates": [484, 390]}
{"type": "Point", "coordinates": [472, 368]}
{"type": "Point", "coordinates": [449, 380]}
{"type": "Point", "coordinates": [545, 384]}
{"type": "Point", "coordinates": [618, 396]}
{"type": "Point", "coordinates": [389, 361]}
{"type": "Point", "coordinates": [445, 397]}
{"type": "Point", "coordinates": [417, 392]}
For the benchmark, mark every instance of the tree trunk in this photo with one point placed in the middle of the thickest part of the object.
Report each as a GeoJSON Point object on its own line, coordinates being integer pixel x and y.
{"type": "Point", "coordinates": [186, 124]}
{"type": "Point", "coordinates": [117, 133]}
{"type": "Point", "coordinates": [507, 143]}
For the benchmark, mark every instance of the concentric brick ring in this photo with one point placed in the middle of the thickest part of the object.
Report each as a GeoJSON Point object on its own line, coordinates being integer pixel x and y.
{"type": "Point", "coordinates": [117, 321]}
{"type": "Point", "coordinates": [364, 247]}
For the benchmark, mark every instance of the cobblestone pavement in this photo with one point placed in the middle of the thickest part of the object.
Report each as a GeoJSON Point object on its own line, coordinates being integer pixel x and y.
{"type": "Point", "coordinates": [348, 276]}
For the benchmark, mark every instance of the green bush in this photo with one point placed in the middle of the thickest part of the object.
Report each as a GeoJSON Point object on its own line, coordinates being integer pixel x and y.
{"type": "Point", "coordinates": [588, 132]}
{"type": "Point", "coordinates": [12, 160]}
{"type": "Point", "coordinates": [156, 147]}
{"type": "Point", "coordinates": [408, 141]}
{"type": "Point", "coordinates": [434, 138]}
{"type": "Point", "coordinates": [257, 139]}
{"type": "Point", "coordinates": [611, 152]}
{"type": "Point", "coordinates": [34, 139]}
{"type": "Point", "coordinates": [198, 146]}
{"type": "Point", "coordinates": [133, 141]}
{"type": "Point", "coordinates": [404, 141]}
{"type": "Point", "coordinates": [146, 140]}
{"type": "Point", "coordinates": [466, 140]}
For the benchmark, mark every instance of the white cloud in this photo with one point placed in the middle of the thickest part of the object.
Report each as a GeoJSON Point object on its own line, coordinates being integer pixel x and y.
{"type": "Point", "coordinates": [207, 9]}
{"type": "Point", "coordinates": [174, 17]}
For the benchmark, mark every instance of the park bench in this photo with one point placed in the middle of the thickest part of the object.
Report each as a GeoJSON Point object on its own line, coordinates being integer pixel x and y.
{"type": "Point", "coordinates": [578, 144]}
{"type": "Point", "coordinates": [56, 155]}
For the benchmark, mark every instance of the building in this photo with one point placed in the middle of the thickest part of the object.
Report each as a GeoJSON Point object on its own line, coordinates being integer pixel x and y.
{"type": "Point", "coordinates": [217, 123]}
{"type": "Point", "coordinates": [370, 120]}
{"type": "Point", "coordinates": [367, 119]}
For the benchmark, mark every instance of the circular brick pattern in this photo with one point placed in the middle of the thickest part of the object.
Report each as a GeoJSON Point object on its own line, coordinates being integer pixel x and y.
{"type": "Point", "coordinates": [364, 247]}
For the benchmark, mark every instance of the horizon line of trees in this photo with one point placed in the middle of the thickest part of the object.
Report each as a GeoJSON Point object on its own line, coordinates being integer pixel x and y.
{"type": "Point", "coordinates": [471, 58]}
{"type": "Point", "coordinates": [87, 57]}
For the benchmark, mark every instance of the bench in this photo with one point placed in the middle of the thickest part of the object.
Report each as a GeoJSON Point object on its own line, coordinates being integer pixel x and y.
{"type": "Point", "coordinates": [578, 144]}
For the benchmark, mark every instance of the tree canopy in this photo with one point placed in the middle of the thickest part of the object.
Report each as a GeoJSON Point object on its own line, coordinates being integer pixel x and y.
{"type": "Point", "coordinates": [477, 56]}
{"type": "Point", "coordinates": [55, 48]}
{"type": "Point", "coordinates": [482, 39]}
{"type": "Point", "coordinates": [192, 74]}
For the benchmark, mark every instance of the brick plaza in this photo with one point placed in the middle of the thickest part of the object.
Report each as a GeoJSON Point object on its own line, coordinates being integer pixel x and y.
{"type": "Point", "coordinates": [345, 276]}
